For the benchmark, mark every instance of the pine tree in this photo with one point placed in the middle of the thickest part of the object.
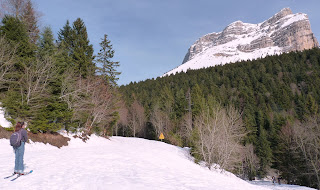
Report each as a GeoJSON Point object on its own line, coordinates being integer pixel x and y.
{"type": "Point", "coordinates": [197, 100]}
{"type": "Point", "coordinates": [82, 53]}
{"type": "Point", "coordinates": [166, 100]}
{"type": "Point", "coordinates": [312, 106]}
{"type": "Point", "coordinates": [76, 51]}
{"type": "Point", "coordinates": [15, 32]}
{"type": "Point", "coordinates": [180, 104]}
{"type": "Point", "coordinates": [65, 37]}
{"type": "Point", "coordinates": [108, 68]}
{"type": "Point", "coordinates": [264, 151]}
{"type": "Point", "coordinates": [46, 43]}
{"type": "Point", "coordinates": [65, 44]}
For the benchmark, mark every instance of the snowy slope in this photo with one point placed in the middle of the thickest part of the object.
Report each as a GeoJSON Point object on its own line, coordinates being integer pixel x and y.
{"type": "Point", "coordinates": [209, 58]}
{"type": "Point", "coordinates": [118, 163]}
{"type": "Point", "coordinates": [241, 41]}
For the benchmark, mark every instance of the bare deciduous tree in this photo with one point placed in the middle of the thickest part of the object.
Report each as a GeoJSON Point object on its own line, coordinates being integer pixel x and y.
{"type": "Point", "coordinates": [101, 106]}
{"type": "Point", "coordinates": [13, 7]}
{"type": "Point", "coordinates": [157, 120]}
{"type": "Point", "coordinates": [250, 163]}
{"type": "Point", "coordinates": [6, 61]}
{"type": "Point", "coordinates": [141, 118]}
{"type": "Point", "coordinates": [137, 117]}
{"type": "Point", "coordinates": [220, 131]}
{"type": "Point", "coordinates": [123, 117]}
{"type": "Point", "coordinates": [186, 124]}
{"type": "Point", "coordinates": [70, 92]}
{"type": "Point", "coordinates": [307, 137]}
{"type": "Point", "coordinates": [91, 99]}
{"type": "Point", "coordinates": [162, 124]}
{"type": "Point", "coordinates": [186, 129]}
{"type": "Point", "coordinates": [35, 80]}
{"type": "Point", "coordinates": [133, 124]}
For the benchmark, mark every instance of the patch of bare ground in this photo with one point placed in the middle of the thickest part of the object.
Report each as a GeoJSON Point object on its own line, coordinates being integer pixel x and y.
{"type": "Point", "coordinates": [4, 134]}
{"type": "Point", "coordinates": [55, 139]}
{"type": "Point", "coordinates": [86, 136]}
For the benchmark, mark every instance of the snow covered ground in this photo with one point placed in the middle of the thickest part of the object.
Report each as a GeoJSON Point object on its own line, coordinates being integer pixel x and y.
{"type": "Point", "coordinates": [3, 121]}
{"type": "Point", "coordinates": [117, 164]}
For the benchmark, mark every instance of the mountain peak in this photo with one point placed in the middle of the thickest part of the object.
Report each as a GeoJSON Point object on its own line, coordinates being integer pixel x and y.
{"type": "Point", "coordinates": [281, 14]}
{"type": "Point", "coordinates": [283, 32]}
{"type": "Point", "coordinates": [235, 23]}
{"type": "Point", "coordinates": [284, 12]}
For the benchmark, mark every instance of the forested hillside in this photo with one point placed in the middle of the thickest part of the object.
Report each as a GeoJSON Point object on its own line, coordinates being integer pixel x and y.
{"type": "Point", "coordinates": [277, 98]}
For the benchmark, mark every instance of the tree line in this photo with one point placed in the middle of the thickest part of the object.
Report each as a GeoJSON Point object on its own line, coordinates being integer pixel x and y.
{"type": "Point", "coordinates": [52, 83]}
{"type": "Point", "coordinates": [248, 117]}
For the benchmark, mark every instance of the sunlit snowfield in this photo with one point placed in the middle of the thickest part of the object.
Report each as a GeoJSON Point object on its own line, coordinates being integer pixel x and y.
{"type": "Point", "coordinates": [118, 163]}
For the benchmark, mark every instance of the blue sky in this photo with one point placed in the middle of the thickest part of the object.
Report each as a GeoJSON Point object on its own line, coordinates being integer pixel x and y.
{"type": "Point", "coordinates": [151, 37]}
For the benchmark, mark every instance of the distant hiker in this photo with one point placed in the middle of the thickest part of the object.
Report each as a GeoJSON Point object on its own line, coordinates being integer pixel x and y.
{"type": "Point", "coordinates": [279, 180]}
{"type": "Point", "coordinates": [17, 140]}
{"type": "Point", "coordinates": [273, 179]}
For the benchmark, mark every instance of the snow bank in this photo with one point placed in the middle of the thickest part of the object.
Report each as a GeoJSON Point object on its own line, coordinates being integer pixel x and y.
{"type": "Point", "coordinates": [3, 122]}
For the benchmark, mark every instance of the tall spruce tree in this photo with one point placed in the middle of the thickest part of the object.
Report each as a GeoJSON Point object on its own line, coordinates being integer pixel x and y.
{"type": "Point", "coordinates": [108, 67]}
{"type": "Point", "coordinates": [77, 53]}
{"type": "Point", "coordinates": [55, 115]}
{"type": "Point", "coordinates": [65, 44]}
{"type": "Point", "coordinates": [15, 32]}
{"type": "Point", "coordinates": [82, 53]}
{"type": "Point", "coordinates": [65, 38]}
{"type": "Point", "coordinates": [46, 43]}
{"type": "Point", "coordinates": [197, 100]}
{"type": "Point", "coordinates": [263, 150]}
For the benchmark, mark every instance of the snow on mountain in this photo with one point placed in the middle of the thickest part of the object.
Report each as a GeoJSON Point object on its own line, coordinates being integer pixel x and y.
{"type": "Point", "coordinates": [118, 164]}
{"type": "Point", "coordinates": [283, 32]}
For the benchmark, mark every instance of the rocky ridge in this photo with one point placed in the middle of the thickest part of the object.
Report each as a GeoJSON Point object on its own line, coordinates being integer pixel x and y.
{"type": "Point", "coordinates": [283, 32]}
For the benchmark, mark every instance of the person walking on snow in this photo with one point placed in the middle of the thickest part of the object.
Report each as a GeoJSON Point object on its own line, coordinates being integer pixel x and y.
{"type": "Point", "coordinates": [279, 180]}
{"type": "Point", "coordinates": [19, 151]}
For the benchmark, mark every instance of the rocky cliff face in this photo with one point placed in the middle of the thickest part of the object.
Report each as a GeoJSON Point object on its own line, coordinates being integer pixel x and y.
{"type": "Point", "coordinates": [283, 32]}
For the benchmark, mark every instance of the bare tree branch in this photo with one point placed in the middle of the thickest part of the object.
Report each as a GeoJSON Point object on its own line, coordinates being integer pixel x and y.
{"type": "Point", "coordinates": [137, 119]}
{"type": "Point", "coordinates": [34, 82]}
{"type": "Point", "coordinates": [220, 132]}
{"type": "Point", "coordinates": [307, 137]}
{"type": "Point", "coordinates": [7, 57]}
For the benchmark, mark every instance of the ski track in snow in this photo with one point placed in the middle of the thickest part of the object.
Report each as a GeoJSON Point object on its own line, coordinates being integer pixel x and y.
{"type": "Point", "coordinates": [120, 164]}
